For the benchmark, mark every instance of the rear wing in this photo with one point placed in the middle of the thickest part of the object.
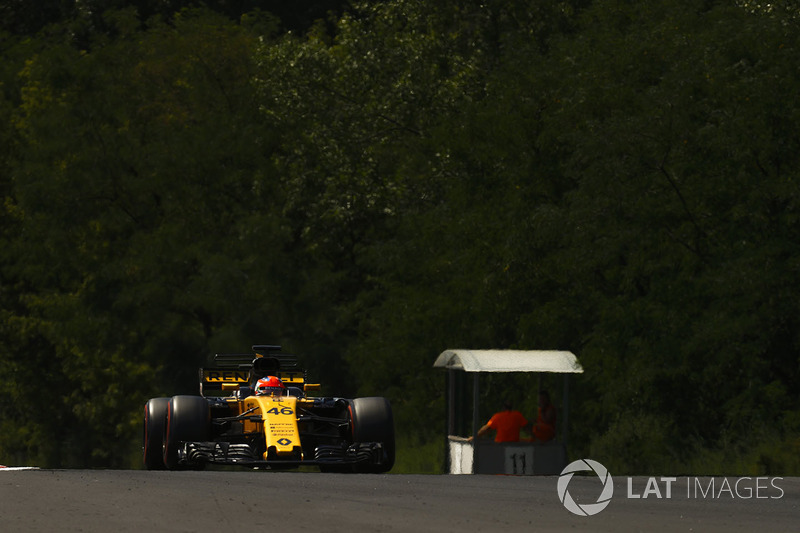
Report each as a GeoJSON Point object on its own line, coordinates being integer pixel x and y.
{"type": "Point", "coordinates": [233, 370]}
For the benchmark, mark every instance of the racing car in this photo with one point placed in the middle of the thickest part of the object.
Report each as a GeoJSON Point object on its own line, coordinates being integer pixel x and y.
{"type": "Point", "coordinates": [228, 423]}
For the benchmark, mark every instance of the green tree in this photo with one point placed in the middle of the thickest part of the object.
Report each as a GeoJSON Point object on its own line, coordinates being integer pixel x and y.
{"type": "Point", "coordinates": [395, 188]}
{"type": "Point", "coordinates": [148, 210]}
{"type": "Point", "coordinates": [679, 228]}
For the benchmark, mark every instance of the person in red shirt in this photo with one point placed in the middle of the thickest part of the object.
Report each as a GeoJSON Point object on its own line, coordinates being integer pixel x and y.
{"type": "Point", "coordinates": [506, 423]}
{"type": "Point", "coordinates": [545, 427]}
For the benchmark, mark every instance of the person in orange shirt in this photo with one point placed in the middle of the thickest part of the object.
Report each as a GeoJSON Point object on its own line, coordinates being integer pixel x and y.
{"type": "Point", "coordinates": [506, 423]}
{"type": "Point", "coordinates": [545, 427]}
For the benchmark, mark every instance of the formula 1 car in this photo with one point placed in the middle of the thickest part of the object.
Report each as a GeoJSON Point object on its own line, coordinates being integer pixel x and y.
{"type": "Point", "coordinates": [229, 424]}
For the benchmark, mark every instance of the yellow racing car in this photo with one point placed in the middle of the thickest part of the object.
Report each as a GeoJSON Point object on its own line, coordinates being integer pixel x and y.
{"type": "Point", "coordinates": [255, 410]}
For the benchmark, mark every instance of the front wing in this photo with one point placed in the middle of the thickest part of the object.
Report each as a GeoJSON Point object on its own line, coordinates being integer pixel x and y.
{"type": "Point", "coordinates": [224, 453]}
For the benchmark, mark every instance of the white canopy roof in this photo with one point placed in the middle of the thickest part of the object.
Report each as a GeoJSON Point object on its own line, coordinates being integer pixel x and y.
{"type": "Point", "coordinates": [509, 361]}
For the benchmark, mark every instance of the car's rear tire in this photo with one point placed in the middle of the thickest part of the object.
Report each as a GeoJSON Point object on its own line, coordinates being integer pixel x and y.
{"type": "Point", "coordinates": [155, 416]}
{"type": "Point", "coordinates": [188, 420]}
{"type": "Point", "coordinates": [372, 421]}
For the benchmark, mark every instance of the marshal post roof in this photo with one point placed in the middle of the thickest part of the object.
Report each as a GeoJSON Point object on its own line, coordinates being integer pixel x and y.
{"type": "Point", "coordinates": [561, 362]}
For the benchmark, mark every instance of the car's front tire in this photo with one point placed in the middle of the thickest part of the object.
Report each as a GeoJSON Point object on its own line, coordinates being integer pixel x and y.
{"type": "Point", "coordinates": [155, 416]}
{"type": "Point", "coordinates": [188, 420]}
{"type": "Point", "coordinates": [372, 421]}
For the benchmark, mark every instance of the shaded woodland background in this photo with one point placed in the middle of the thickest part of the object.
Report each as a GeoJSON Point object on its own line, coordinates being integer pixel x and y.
{"type": "Point", "coordinates": [371, 183]}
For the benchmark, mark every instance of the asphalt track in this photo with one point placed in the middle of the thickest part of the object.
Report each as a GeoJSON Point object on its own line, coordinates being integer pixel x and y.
{"type": "Point", "coordinates": [232, 501]}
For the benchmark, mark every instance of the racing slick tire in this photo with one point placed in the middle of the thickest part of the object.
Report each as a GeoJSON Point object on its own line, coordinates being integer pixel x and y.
{"type": "Point", "coordinates": [188, 420]}
{"type": "Point", "coordinates": [372, 421]}
{"type": "Point", "coordinates": [155, 416]}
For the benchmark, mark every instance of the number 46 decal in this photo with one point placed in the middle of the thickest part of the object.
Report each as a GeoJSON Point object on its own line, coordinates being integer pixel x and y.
{"type": "Point", "coordinates": [283, 411]}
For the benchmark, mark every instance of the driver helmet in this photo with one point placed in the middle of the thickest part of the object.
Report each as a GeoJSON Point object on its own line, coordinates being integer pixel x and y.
{"type": "Point", "coordinates": [271, 385]}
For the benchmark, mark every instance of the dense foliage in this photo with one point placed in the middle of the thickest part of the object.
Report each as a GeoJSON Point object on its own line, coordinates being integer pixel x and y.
{"type": "Point", "coordinates": [375, 183]}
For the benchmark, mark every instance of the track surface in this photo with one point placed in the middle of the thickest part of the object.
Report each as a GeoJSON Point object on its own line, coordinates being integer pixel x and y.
{"type": "Point", "coordinates": [114, 501]}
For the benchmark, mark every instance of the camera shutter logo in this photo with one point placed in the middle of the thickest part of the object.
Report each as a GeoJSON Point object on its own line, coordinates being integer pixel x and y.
{"type": "Point", "coordinates": [587, 509]}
